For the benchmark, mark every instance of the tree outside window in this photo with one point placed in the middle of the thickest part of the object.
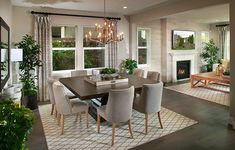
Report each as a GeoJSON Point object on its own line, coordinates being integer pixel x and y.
{"type": "Point", "coordinates": [94, 53]}
{"type": "Point", "coordinates": [63, 48]}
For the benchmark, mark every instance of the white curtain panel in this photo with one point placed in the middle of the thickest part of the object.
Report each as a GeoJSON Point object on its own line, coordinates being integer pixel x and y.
{"type": "Point", "coordinates": [224, 41]}
{"type": "Point", "coordinates": [227, 45]}
{"type": "Point", "coordinates": [42, 34]}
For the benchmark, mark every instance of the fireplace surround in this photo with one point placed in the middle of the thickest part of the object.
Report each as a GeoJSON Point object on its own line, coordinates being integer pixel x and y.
{"type": "Point", "coordinates": [191, 56]}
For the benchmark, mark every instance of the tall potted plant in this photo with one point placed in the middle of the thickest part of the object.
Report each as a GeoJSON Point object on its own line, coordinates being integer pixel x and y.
{"type": "Point", "coordinates": [31, 61]}
{"type": "Point", "coordinates": [210, 54]}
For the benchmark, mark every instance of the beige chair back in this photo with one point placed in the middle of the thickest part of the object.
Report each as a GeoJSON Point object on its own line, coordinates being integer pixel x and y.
{"type": "Point", "coordinates": [139, 72]}
{"type": "Point", "coordinates": [62, 101]}
{"type": "Point", "coordinates": [151, 98]}
{"type": "Point", "coordinates": [79, 73]}
{"type": "Point", "coordinates": [119, 106]}
{"type": "Point", "coordinates": [50, 89]}
{"type": "Point", "coordinates": [153, 75]}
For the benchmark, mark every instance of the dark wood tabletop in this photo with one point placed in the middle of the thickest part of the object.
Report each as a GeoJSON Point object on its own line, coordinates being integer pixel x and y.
{"type": "Point", "coordinates": [85, 90]}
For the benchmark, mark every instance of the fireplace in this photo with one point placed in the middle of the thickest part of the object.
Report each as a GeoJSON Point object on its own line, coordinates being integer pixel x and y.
{"type": "Point", "coordinates": [183, 69]}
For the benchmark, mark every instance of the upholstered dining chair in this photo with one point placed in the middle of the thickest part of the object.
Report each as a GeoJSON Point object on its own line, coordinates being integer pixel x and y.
{"type": "Point", "coordinates": [139, 72]}
{"type": "Point", "coordinates": [150, 101]}
{"type": "Point", "coordinates": [51, 95]}
{"type": "Point", "coordinates": [65, 106]}
{"type": "Point", "coordinates": [118, 109]}
{"type": "Point", "coordinates": [79, 73]}
{"type": "Point", "coordinates": [153, 75]}
{"type": "Point", "coordinates": [67, 91]}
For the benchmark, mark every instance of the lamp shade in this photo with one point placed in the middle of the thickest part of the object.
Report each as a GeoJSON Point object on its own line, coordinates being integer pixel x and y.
{"type": "Point", "coordinates": [3, 55]}
{"type": "Point", "coordinates": [16, 54]}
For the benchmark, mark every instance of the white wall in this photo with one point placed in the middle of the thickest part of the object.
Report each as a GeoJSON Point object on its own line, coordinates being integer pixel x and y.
{"type": "Point", "coordinates": [155, 49]}
{"type": "Point", "coordinates": [23, 24]}
{"type": "Point", "coordinates": [161, 31]}
{"type": "Point", "coordinates": [176, 24]}
{"type": "Point", "coordinates": [6, 11]}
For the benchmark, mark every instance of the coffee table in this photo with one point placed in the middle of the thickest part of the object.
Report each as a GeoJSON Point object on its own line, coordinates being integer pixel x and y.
{"type": "Point", "coordinates": [207, 78]}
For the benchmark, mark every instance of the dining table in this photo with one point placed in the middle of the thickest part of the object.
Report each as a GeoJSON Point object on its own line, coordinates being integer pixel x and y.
{"type": "Point", "coordinates": [99, 94]}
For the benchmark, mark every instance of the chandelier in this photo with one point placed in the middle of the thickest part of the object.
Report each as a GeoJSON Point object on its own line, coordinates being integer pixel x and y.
{"type": "Point", "coordinates": [106, 33]}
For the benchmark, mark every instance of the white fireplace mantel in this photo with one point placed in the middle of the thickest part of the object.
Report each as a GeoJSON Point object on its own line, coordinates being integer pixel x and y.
{"type": "Point", "coordinates": [181, 56]}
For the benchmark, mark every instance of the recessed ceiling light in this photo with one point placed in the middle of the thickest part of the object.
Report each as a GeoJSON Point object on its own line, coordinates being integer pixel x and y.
{"type": "Point", "coordinates": [124, 7]}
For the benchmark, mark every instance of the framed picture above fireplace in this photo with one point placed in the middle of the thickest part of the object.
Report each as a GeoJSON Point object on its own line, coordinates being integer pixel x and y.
{"type": "Point", "coordinates": [183, 40]}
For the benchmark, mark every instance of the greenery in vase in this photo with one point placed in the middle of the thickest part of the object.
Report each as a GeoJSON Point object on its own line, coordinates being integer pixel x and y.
{"type": "Point", "coordinates": [31, 52]}
{"type": "Point", "coordinates": [108, 71]}
{"type": "Point", "coordinates": [130, 65]}
{"type": "Point", "coordinates": [210, 54]}
{"type": "Point", "coordinates": [15, 125]}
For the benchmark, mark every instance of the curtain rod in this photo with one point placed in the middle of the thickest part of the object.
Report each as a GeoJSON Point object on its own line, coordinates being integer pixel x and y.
{"type": "Point", "coordinates": [222, 25]}
{"type": "Point", "coordinates": [73, 15]}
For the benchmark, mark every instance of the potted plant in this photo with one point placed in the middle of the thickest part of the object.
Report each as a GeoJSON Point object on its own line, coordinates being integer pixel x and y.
{"type": "Point", "coordinates": [129, 65]}
{"type": "Point", "coordinates": [210, 54]}
{"type": "Point", "coordinates": [15, 125]}
{"type": "Point", "coordinates": [31, 52]}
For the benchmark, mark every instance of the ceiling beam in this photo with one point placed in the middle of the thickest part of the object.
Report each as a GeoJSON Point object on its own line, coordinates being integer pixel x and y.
{"type": "Point", "coordinates": [172, 7]}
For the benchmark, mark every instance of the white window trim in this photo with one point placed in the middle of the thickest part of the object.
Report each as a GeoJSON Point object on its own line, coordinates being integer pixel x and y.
{"type": "Point", "coordinates": [148, 48]}
{"type": "Point", "coordinates": [64, 48]}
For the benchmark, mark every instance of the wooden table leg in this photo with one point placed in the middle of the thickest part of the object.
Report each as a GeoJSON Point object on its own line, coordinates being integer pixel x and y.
{"type": "Point", "coordinates": [192, 81]}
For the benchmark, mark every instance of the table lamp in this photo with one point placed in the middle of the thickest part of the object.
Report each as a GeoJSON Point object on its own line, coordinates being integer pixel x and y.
{"type": "Point", "coordinates": [16, 56]}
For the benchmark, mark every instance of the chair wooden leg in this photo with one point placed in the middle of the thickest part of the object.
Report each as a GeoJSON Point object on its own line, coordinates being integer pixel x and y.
{"type": "Point", "coordinates": [98, 123]}
{"type": "Point", "coordinates": [52, 108]}
{"type": "Point", "coordinates": [113, 133]}
{"type": "Point", "coordinates": [146, 123]}
{"type": "Point", "coordinates": [80, 117]}
{"type": "Point", "coordinates": [86, 119]}
{"type": "Point", "coordinates": [130, 130]}
{"type": "Point", "coordinates": [76, 117]}
{"type": "Point", "coordinates": [62, 124]}
{"type": "Point", "coordinates": [56, 112]}
{"type": "Point", "coordinates": [159, 118]}
{"type": "Point", "coordinates": [59, 116]}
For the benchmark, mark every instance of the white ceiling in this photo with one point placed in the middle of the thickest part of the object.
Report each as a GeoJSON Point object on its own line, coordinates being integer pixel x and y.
{"type": "Point", "coordinates": [112, 6]}
{"type": "Point", "coordinates": [213, 14]}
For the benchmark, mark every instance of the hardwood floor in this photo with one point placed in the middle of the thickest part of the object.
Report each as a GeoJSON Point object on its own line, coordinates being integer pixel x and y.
{"type": "Point", "coordinates": [212, 131]}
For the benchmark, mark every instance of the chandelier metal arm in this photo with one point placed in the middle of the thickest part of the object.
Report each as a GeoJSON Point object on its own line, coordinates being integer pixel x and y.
{"type": "Point", "coordinates": [106, 33]}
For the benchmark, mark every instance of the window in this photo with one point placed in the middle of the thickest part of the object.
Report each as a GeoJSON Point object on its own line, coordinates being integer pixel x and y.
{"type": "Point", "coordinates": [205, 37]}
{"type": "Point", "coordinates": [63, 48]}
{"type": "Point", "coordinates": [143, 48]}
{"type": "Point", "coordinates": [94, 53]}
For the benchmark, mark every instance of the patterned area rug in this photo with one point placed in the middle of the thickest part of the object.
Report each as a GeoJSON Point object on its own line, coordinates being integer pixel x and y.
{"type": "Point", "coordinates": [203, 93]}
{"type": "Point", "coordinates": [76, 136]}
